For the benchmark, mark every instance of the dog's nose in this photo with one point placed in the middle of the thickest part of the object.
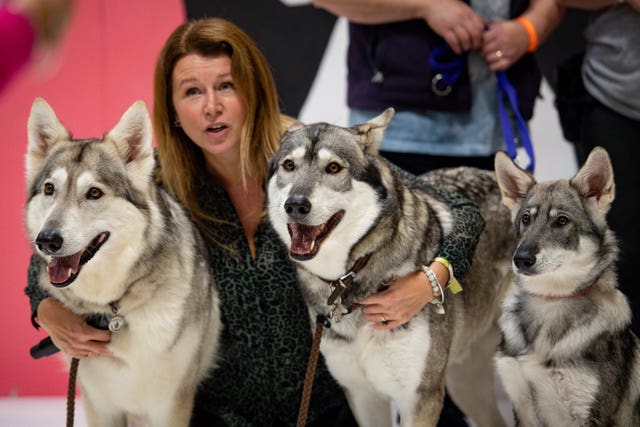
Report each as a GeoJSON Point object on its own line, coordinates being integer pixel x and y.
{"type": "Point", "coordinates": [297, 206]}
{"type": "Point", "coordinates": [524, 259]}
{"type": "Point", "coordinates": [49, 241]}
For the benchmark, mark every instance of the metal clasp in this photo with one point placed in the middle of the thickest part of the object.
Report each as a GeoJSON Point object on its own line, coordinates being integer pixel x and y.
{"type": "Point", "coordinates": [337, 287]}
{"type": "Point", "coordinates": [436, 86]}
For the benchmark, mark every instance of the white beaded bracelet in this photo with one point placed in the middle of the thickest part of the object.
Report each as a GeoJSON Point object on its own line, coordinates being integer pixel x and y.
{"type": "Point", "coordinates": [438, 292]}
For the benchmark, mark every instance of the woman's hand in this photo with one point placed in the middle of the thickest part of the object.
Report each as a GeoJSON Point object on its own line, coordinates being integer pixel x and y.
{"type": "Point", "coordinates": [503, 44]}
{"type": "Point", "coordinates": [403, 299]}
{"type": "Point", "coordinates": [456, 23]}
{"type": "Point", "coordinates": [70, 332]}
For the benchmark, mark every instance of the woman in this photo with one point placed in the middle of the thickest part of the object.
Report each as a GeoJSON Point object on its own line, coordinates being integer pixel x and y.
{"type": "Point", "coordinates": [217, 124]}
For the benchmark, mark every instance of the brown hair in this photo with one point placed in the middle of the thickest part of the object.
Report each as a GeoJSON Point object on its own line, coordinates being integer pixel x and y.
{"type": "Point", "coordinates": [252, 78]}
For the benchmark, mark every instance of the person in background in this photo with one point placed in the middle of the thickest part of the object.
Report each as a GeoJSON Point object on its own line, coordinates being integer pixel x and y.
{"type": "Point", "coordinates": [609, 116]}
{"type": "Point", "coordinates": [217, 124]}
{"type": "Point", "coordinates": [392, 45]}
{"type": "Point", "coordinates": [26, 25]}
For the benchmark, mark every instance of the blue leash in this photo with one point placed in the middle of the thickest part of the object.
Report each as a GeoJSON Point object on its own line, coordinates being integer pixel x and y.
{"type": "Point", "coordinates": [448, 72]}
{"type": "Point", "coordinates": [506, 88]}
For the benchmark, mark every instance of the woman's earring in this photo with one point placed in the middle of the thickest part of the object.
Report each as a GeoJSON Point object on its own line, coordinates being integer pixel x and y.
{"type": "Point", "coordinates": [177, 124]}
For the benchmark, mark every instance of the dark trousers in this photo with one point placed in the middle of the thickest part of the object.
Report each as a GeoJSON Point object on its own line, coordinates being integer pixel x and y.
{"type": "Point", "coordinates": [620, 136]}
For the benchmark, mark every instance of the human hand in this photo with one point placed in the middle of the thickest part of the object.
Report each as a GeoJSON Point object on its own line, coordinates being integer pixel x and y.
{"type": "Point", "coordinates": [635, 4]}
{"type": "Point", "coordinates": [404, 297]}
{"type": "Point", "coordinates": [49, 17]}
{"type": "Point", "coordinates": [69, 332]}
{"type": "Point", "coordinates": [456, 22]}
{"type": "Point", "coordinates": [503, 43]}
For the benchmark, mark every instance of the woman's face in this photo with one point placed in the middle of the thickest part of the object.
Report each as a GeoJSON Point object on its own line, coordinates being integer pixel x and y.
{"type": "Point", "coordinates": [207, 104]}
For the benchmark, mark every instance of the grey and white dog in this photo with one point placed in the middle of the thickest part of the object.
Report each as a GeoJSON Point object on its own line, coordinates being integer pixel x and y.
{"type": "Point", "coordinates": [333, 200]}
{"type": "Point", "coordinates": [568, 357]}
{"type": "Point", "coordinates": [110, 242]}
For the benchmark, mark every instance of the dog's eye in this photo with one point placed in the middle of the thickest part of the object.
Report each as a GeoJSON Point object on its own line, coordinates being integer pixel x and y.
{"type": "Point", "coordinates": [48, 189]}
{"type": "Point", "coordinates": [94, 193]}
{"type": "Point", "coordinates": [333, 168]}
{"type": "Point", "coordinates": [525, 219]}
{"type": "Point", "coordinates": [562, 221]}
{"type": "Point", "coordinates": [288, 165]}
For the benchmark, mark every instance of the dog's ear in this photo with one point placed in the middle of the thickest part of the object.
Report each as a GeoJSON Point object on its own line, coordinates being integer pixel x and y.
{"type": "Point", "coordinates": [513, 181]}
{"type": "Point", "coordinates": [133, 139]}
{"type": "Point", "coordinates": [44, 130]}
{"type": "Point", "coordinates": [371, 132]}
{"type": "Point", "coordinates": [595, 179]}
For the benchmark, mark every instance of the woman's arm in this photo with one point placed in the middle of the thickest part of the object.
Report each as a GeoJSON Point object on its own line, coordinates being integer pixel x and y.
{"type": "Point", "coordinates": [407, 295]}
{"type": "Point", "coordinates": [454, 20]}
{"type": "Point", "coordinates": [68, 331]}
{"type": "Point", "coordinates": [598, 4]}
{"type": "Point", "coordinates": [515, 37]}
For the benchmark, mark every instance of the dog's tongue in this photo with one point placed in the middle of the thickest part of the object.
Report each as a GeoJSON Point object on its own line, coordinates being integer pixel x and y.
{"type": "Point", "coordinates": [61, 268]}
{"type": "Point", "coordinates": [303, 237]}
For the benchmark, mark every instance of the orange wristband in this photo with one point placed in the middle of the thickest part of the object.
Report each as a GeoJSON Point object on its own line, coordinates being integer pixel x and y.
{"type": "Point", "coordinates": [531, 32]}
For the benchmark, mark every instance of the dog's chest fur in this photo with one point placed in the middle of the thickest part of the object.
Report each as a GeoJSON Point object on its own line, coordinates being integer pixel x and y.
{"type": "Point", "coordinates": [564, 358]}
{"type": "Point", "coordinates": [544, 387]}
{"type": "Point", "coordinates": [391, 363]}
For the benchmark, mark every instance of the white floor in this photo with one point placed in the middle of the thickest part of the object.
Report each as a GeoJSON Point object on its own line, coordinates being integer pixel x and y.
{"type": "Point", "coordinates": [52, 411]}
{"type": "Point", "coordinates": [38, 412]}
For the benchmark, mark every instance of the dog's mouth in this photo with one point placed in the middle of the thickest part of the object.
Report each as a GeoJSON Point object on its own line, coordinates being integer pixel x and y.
{"type": "Point", "coordinates": [306, 239]}
{"type": "Point", "coordinates": [63, 270]}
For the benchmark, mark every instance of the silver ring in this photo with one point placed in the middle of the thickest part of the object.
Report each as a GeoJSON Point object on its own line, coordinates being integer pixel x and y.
{"type": "Point", "coordinates": [499, 54]}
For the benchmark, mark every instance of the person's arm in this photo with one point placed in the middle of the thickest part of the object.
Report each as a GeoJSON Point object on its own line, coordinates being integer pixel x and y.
{"type": "Point", "coordinates": [68, 331]}
{"type": "Point", "coordinates": [24, 24]}
{"type": "Point", "coordinates": [598, 4]}
{"type": "Point", "coordinates": [376, 12]}
{"type": "Point", "coordinates": [506, 42]}
{"type": "Point", "coordinates": [17, 39]}
{"type": "Point", "coordinates": [407, 295]}
{"type": "Point", "coordinates": [453, 20]}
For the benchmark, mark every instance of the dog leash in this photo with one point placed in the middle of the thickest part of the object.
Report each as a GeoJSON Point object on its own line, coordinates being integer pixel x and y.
{"type": "Point", "coordinates": [448, 67]}
{"type": "Point", "coordinates": [337, 288]}
{"type": "Point", "coordinates": [46, 347]}
{"type": "Point", "coordinates": [321, 323]}
{"type": "Point", "coordinates": [71, 391]}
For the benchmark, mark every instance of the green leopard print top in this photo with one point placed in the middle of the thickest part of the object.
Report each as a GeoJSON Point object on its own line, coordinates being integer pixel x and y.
{"type": "Point", "coordinates": [267, 334]}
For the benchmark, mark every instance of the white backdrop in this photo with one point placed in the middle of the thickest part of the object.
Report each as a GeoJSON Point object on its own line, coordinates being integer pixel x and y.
{"type": "Point", "coordinates": [327, 103]}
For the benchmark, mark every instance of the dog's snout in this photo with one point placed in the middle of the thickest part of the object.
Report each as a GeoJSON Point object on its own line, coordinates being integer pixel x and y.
{"type": "Point", "coordinates": [49, 241]}
{"type": "Point", "coordinates": [297, 206]}
{"type": "Point", "coordinates": [524, 259]}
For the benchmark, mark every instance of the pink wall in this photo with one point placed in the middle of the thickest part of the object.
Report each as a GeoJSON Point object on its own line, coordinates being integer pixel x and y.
{"type": "Point", "coordinates": [103, 65]}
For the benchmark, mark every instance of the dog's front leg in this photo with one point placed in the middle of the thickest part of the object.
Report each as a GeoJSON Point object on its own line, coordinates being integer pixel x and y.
{"type": "Point", "coordinates": [370, 408]}
{"type": "Point", "coordinates": [100, 416]}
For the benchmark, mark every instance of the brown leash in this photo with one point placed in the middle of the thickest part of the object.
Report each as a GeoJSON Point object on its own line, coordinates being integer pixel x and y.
{"type": "Point", "coordinates": [71, 391]}
{"type": "Point", "coordinates": [339, 286]}
{"type": "Point", "coordinates": [321, 323]}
